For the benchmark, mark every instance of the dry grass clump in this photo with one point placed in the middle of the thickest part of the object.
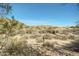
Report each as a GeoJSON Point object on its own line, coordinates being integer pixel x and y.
{"type": "Point", "coordinates": [18, 47]}
{"type": "Point", "coordinates": [60, 36]}
{"type": "Point", "coordinates": [39, 40]}
{"type": "Point", "coordinates": [71, 36]}
{"type": "Point", "coordinates": [64, 37]}
{"type": "Point", "coordinates": [13, 46]}
{"type": "Point", "coordinates": [24, 37]}
{"type": "Point", "coordinates": [47, 36]}
{"type": "Point", "coordinates": [48, 44]}
{"type": "Point", "coordinates": [29, 30]}
{"type": "Point", "coordinates": [35, 36]}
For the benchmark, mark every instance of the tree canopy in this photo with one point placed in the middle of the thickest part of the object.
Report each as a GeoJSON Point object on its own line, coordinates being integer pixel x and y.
{"type": "Point", "coordinates": [5, 9]}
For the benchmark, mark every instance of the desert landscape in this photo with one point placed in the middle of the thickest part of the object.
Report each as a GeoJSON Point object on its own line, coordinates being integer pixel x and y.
{"type": "Point", "coordinates": [19, 39]}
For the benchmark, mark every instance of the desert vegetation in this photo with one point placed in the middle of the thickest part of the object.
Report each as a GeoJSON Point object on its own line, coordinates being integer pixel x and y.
{"type": "Point", "coordinates": [24, 40]}
{"type": "Point", "coordinates": [18, 39]}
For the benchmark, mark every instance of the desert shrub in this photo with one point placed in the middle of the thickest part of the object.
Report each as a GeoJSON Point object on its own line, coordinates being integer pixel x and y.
{"type": "Point", "coordinates": [57, 31]}
{"type": "Point", "coordinates": [35, 36]}
{"type": "Point", "coordinates": [42, 31]}
{"type": "Point", "coordinates": [64, 38]}
{"type": "Point", "coordinates": [51, 31]}
{"type": "Point", "coordinates": [18, 47]}
{"type": "Point", "coordinates": [2, 40]}
{"type": "Point", "coordinates": [48, 44]}
{"type": "Point", "coordinates": [24, 37]}
{"type": "Point", "coordinates": [57, 37]}
{"type": "Point", "coordinates": [14, 46]}
{"type": "Point", "coordinates": [2, 31]}
{"type": "Point", "coordinates": [61, 36]}
{"type": "Point", "coordinates": [39, 40]}
{"type": "Point", "coordinates": [47, 36]}
{"type": "Point", "coordinates": [29, 31]}
{"type": "Point", "coordinates": [48, 31]}
{"type": "Point", "coordinates": [72, 37]}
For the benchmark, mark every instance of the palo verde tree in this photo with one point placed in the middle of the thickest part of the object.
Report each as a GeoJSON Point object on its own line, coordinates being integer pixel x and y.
{"type": "Point", "coordinates": [5, 9]}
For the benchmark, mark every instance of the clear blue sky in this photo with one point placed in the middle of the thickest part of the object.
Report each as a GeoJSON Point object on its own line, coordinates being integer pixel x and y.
{"type": "Point", "coordinates": [46, 14]}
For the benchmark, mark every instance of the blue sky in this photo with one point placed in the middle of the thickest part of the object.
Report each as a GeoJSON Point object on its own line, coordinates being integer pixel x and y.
{"type": "Point", "coordinates": [45, 14]}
